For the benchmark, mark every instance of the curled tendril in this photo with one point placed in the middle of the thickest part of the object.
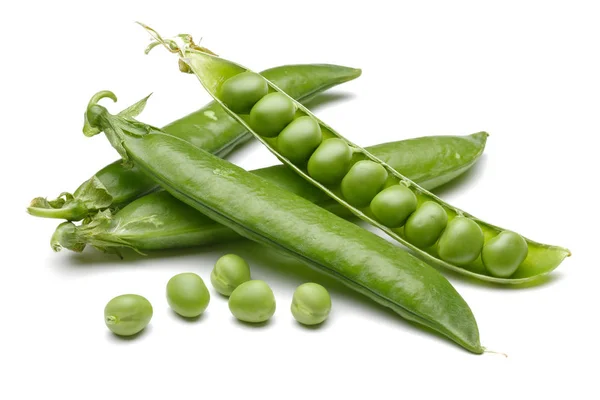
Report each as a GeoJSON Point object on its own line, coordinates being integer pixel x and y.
{"type": "Point", "coordinates": [94, 112]}
{"type": "Point", "coordinates": [103, 94]}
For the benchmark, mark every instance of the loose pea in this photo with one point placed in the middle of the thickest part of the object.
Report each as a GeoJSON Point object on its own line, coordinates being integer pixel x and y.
{"type": "Point", "coordinates": [271, 114]}
{"type": "Point", "coordinates": [127, 314]}
{"type": "Point", "coordinates": [393, 205]}
{"type": "Point", "coordinates": [229, 272]}
{"type": "Point", "coordinates": [503, 254]}
{"type": "Point", "coordinates": [311, 304]}
{"type": "Point", "coordinates": [187, 294]}
{"type": "Point", "coordinates": [299, 139]}
{"type": "Point", "coordinates": [424, 226]}
{"type": "Point", "coordinates": [252, 301]}
{"type": "Point", "coordinates": [461, 242]}
{"type": "Point", "coordinates": [330, 162]}
{"type": "Point", "coordinates": [364, 180]}
{"type": "Point", "coordinates": [242, 91]}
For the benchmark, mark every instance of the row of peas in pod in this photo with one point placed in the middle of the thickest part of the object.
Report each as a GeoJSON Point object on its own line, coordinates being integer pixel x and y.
{"type": "Point", "coordinates": [250, 300]}
{"type": "Point", "coordinates": [366, 184]}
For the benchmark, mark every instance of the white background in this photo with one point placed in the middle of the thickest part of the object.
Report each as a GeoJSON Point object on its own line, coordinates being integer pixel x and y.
{"type": "Point", "coordinates": [526, 72]}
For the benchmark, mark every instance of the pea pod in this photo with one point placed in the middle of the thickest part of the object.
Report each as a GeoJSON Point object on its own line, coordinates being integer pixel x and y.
{"type": "Point", "coordinates": [159, 221]}
{"type": "Point", "coordinates": [329, 165]}
{"type": "Point", "coordinates": [262, 211]}
{"type": "Point", "coordinates": [210, 128]}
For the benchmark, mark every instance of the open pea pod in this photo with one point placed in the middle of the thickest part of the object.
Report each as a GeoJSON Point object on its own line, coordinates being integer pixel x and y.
{"type": "Point", "coordinates": [454, 239]}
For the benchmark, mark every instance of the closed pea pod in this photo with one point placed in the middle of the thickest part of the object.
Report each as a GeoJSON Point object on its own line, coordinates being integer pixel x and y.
{"type": "Point", "coordinates": [271, 114]}
{"type": "Point", "coordinates": [330, 162]}
{"type": "Point", "coordinates": [393, 205]}
{"type": "Point", "coordinates": [268, 214]}
{"type": "Point", "coordinates": [210, 128]}
{"type": "Point", "coordinates": [502, 254]}
{"type": "Point", "coordinates": [252, 301]}
{"type": "Point", "coordinates": [127, 314]}
{"type": "Point", "coordinates": [242, 91]}
{"type": "Point", "coordinates": [160, 221]}
{"type": "Point", "coordinates": [229, 272]}
{"type": "Point", "coordinates": [299, 139]}
{"type": "Point", "coordinates": [364, 180]}
{"type": "Point", "coordinates": [426, 224]}
{"type": "Point", "coordinates": [187, 294]}
{"type": "Point", "coordinates": [461, 242]}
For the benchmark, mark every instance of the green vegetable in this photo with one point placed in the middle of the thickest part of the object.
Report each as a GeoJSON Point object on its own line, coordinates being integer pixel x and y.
{"type": "Point", "coordinates": [160, 221]}
{"type": "Point", "coordinates": [311, 304]}
{"type": "Point", "coordinates": [426, 224]}
{"type": "Point", "coordinates": [212, 71]}
{"type": "Point", "coordinates": [187, 294]}
{"type": "Point", "coordinates": [503, 254]}
{"type": "Point", "coordinates": [127, 314]}
{"type": "Point", "coordinates": [330, 162]}
{"type": "Point", "coordinates": [461, 242]}
{"type": "Point", "coordinates": [364, 180]}
{"type": "Point", "coordinates": [270, 215]}
{"type": "Point", "coordinates": [210, 128]}
{"type": "Point", "coordinates": [271, 114]}
{"type": "Point", "coordinates": [242, 91]}
{"type": "Point", "coordinates": [252, 301]}
{"type": "Point", "coordinates": [393, 205]}
{"type": "Point", "coordinates": [299, 139]}
{"type": "Point", "coordinates": [230, 271]}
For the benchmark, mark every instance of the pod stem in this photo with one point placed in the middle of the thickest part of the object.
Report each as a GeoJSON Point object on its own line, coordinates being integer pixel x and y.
{"type": "Point", "coordinates": [61, 208]}
{"type": "Point", "coordinates": [173, 46]}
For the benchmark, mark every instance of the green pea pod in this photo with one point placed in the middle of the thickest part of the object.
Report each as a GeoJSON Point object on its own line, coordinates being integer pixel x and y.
{"type": "Point", "coordinates": [210, 128]}
{"type": "Point", "coordinates": [263, 212]}
{"type": "Point", "coordinates": [159, 221]}
{"type": "Point", "coordinates": [212, 71]}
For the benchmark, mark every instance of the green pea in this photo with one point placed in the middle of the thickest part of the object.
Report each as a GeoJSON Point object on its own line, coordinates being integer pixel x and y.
{"type": "Point", "coordinates": [424, 226]}
{"type": "Point", "coordinates": [393, 205]}
{"type": "Point", "coordinates": [127, 314]}
{"type": "Point", "coordinates": [242, 91]}
{"type": "Point", "coordinates": [271, 114]}
{"type": "Point", "coordinates": [461, 242]}
{"type": "Point", "coordinates": [311, 304]}
{"type": "Point", "coordinates": [252, 301]}
{"type": "Point", "coordinates": [299, 139]}
{"type": "Point", "coordinates": [330, 162]}
{"type": "Point", "coordinates": [187, 294]}
{"type": "Point", "coordinates": [229, 272]}
{"type": "Point", "coordinates": [503, 254]}
{"type": "Point", "coordinates": [364, 180]}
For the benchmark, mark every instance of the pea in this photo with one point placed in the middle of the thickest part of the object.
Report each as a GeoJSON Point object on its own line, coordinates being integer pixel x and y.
{"type": "Point", "coordinates": [299, 139]}
{"type": "Point", "coordinates": [187, 294]}
{"type": "Point", "coordinates": [330, 162]}
{"type": "Point", "coordinates": [229, 272]}
{"type": "Point", "coordinates": [503, 254]}
{"type": "Point", "coordinates": [461, 242]}
{"type": "Point", "coordinates": [242, 91]}
{"type": "Point", "coordinates": [364, 180]}
{"type": "Point", "coordinates": [424, 226]}
{"type": "Point", "coordinates": [393, 205]}
{"type": "Point", "coordinates": [252, 301]}
{"type": "Point", "coordinates": [271, 114]}
{"type": "Point", "coordinates": [311, 304]}
{"type": "Point", "coordinates": [127, 314]}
